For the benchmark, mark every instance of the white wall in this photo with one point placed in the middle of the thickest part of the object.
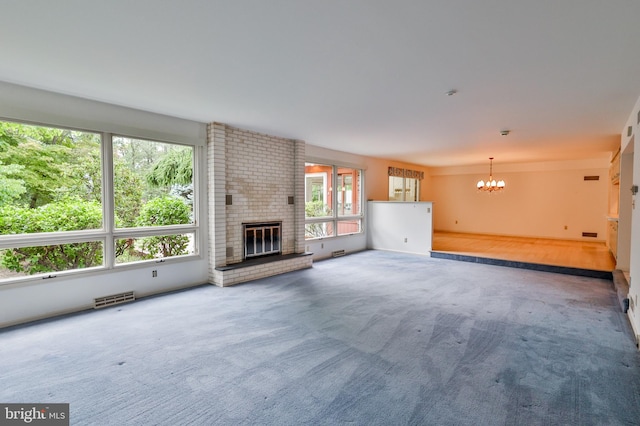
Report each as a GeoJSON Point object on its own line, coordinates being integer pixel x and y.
{"type": "Point", "coordinates": [539, 200]}
{"type": "Point", "coordinates": [627, 147]}
{"type": "Point", "coordinates": [403, 227]}
{"type": "Point", "coordinates": [36, 298]}
{"type": "Point", "coordinates": [23, 103]}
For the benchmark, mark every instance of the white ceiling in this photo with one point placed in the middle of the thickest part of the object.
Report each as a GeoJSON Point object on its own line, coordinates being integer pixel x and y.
{"type": "Point", "coordinates": [363, 76]}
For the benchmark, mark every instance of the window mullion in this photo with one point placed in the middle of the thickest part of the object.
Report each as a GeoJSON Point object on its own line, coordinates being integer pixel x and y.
{"type": "Point", "coordinates": [334, 196]}
{"type": "Point", "coordinates": [107, 198]}
{"type": "Point", "coordinates": [52, 238]}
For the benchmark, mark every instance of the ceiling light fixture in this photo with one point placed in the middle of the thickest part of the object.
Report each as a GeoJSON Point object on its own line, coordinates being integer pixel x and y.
{"type": "Point", "coordinates": [490, 185]}
{"type": "Point", "coordinates": [452, 92]}
{"type": "Point", "coordinates": [505, 132]}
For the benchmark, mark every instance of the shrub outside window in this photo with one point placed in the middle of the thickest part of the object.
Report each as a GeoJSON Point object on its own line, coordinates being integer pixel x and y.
{"type": "Point", "coordinates": [53, 214]}
{"type": "Point", "coordinates": [162, 175]}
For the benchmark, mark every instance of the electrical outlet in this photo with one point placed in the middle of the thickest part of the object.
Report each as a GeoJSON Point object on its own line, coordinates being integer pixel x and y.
{"type": "Point", "coordinates": [154, 273]}
{"type": "Point", "coordinates": [405, 240]}
{"type": "Point", "coordinates": [566, 227]}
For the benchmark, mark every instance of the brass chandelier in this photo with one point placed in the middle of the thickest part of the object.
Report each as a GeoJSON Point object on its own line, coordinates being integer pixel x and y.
{"type": "Point", "coordinates": [491, 185]}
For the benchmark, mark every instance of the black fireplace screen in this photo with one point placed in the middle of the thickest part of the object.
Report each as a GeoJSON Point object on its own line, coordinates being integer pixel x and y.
{"type": "Point", "coordinates": [261, 239]}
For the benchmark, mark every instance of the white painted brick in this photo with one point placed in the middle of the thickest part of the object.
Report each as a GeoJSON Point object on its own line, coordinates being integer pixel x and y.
{"type": "Point", "coordinates": [260, 171]}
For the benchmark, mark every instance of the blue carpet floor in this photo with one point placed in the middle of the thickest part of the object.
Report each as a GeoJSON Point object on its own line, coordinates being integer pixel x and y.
{"type": "Point", "coordinates": [373, 338]}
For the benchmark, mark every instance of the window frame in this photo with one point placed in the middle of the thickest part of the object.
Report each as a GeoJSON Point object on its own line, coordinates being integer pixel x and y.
{"type": "Point", "coordinates": [151, 231]}
{"type": "Point", "coordinates": [335, 217]}
{"type": "Point", "coordinates": [414, 177]}
{"type": "Point", "coordinates": [108, 234]}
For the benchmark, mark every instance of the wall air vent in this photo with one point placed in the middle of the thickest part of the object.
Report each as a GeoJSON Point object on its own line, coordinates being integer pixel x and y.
{"type": "Point", "coordinates": [114, 299]}
{"type": "Point", "coordinates": [592, 178]}
{"type": "Point", "coordinates": [337, 253]}
{"type": "Point", "coordinates": [590, 234]}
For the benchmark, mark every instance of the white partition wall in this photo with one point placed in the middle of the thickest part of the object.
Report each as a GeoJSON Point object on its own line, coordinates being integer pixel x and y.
{"type": "Point", "coordinates": [404, 227]}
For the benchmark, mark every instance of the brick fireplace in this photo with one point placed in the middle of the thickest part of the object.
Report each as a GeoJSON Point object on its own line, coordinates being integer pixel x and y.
{"type": "Point", "coordinates": [257, 180]}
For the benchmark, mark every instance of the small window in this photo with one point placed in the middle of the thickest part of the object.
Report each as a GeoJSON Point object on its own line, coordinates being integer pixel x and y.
{"type": "Point", "coordinates": [25, 261]}
{"type": "Point", "coordinates": [153, 247]}
{"type": "Point", "coordinates": [404, 185]}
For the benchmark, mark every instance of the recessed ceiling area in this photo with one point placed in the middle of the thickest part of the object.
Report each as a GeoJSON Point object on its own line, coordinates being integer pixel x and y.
{"type": "Point", "coordinates": [366, 77]}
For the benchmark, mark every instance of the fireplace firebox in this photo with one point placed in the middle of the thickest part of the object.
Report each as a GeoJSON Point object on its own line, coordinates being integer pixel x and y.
{"type": "Point", "coordinates": [262, 239]}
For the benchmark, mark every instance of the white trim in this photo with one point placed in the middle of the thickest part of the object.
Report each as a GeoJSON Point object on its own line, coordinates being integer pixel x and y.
{"type": "Point", "coordinates": [20, 103]}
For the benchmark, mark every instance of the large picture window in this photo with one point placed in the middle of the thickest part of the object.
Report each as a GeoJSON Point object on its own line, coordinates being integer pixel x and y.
{"type": "Point", "coordinates": [333, 200]}
{"type": "Point", "coordinates": [153, 187]}
{"type": "Point", "coordinates": [66, 206]}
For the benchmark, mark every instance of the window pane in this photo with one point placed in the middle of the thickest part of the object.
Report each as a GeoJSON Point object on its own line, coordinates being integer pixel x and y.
{"type": "Point", "coordinates": [50, 179]}
{"type": "Point", "coordinates": [153, 247]}
{"type": "Point", "coordinates": [259, 241]}
{"type": "Point", "coordinates": [349, 191]}
{"type": "Point", "coordinates": [276, 239]}
{"type": "Point", "coordinates": [23, 261]}
{"type": "Point", "coordinates": [318, 190]}
{"type": "Point", "coordinates": [318, 230]}
{"type": "Point", "coordinates": [153, 183]}
{"type": "Point", "coordinates": [346, 227]}
{"type": "Point", "coordinates": [250, 242]}
{"type": "Point", "coordinates": [411, 189]}
{"type": "Point", "coordinates": [396, 188]}
{"type": "Point", "coordinates": [403, 189]}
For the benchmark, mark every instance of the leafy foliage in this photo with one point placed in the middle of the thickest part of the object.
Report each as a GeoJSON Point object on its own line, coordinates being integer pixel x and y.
{"type": "Point", "coordinates": [316, 209]}
{"type": "Point", "coordinates": [54, 161]}
{"type": "Point", "coordinates": [66, 215]}
{"type": "Point", "coordinates": [173, 168]}
{"type": "Point", "coordinates": [10, 187]}
{"type": "Point", "coordinates": [165, 211]}
{"type": "Point", "coordinates": [137, 157]}
{"type": "Point", "coordinates": [51, 180]}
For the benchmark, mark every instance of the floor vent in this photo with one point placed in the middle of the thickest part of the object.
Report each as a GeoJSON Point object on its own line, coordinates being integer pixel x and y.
{"type": "Point", "coordinates": [590, 234]}
{"type": "Point", "coordinates": [337, 253]}
{"type": "Point", "coordinates": [115, 299]}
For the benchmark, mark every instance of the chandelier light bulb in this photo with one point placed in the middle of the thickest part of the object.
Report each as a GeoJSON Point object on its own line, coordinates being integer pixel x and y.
{"type": "Point", "coordinates": [490, 185]}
